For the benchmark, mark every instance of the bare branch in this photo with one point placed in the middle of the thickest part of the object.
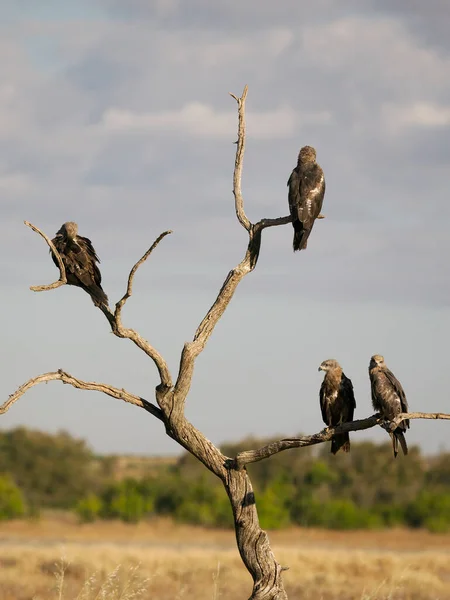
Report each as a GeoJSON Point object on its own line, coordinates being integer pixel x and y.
{"type": "Point", "coordinates": [114, 319]}
{"type": "Point", "coordinates": [119, 330]}
{"type": "Point", "coordinates": [128, 293]}
{"type": "Point", "coordinates": [60, 375]}
{"type": "Point", "coordinates": [417, 415]}
{"type": "Point", "coordinates": [263, 223]}
{"type": "Point", "coordinates": [62, 270]}
{"type": "Point", "coordinates": [250, 456]}
{"type": "Point", "coordinates": [192, 349]}
{"type": "Point", "coordinates": [240, 149]}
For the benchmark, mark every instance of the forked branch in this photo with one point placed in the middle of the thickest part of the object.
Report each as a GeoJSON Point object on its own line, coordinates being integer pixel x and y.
{"type": "Point", "coordinates": [115, 319]}
{"type": "Point", "coordinates": [250, 456]}
{"type": "Point", "coordinates": [192, 349]}
{"type": "Point", "coordinates": [62, 270]}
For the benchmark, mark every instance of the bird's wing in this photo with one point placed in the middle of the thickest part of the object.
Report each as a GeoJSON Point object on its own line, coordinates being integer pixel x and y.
{"type": "Point", "coordinates": [377, 403]}
{"type": "Point", "coordinates": [348, 396]}
{"type": "Point", "coordinates": [88, 259]}
{"type": "Point", "coordinates": [59, 245]}
{"type": "Point", "coordinates": [398, 389]}
{"type": "Point", "coordinates": [324, 403]}
{"type": "Point", "coordinates": [397, 386]}
{"type": "Point", "coordinates": [312, 191]}
{"type": "Point", "coordinates": [386, 394]}
{"type": "Point", "coordinates": [294, 194]}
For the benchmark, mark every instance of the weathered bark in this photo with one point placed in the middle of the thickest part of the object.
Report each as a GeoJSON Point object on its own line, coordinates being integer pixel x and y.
{"type": "Point", "coordinates": [252, 541]}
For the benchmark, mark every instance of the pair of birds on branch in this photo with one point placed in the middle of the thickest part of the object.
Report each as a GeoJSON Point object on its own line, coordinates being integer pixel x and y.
{"type": "Point", "coordinates": [306, 192]}
{"type": "Point", "coordinates": [337, 400]}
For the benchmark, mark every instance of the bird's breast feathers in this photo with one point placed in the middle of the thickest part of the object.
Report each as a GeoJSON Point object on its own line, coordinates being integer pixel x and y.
{"type": "Point", "coordinates": [318, 187]}
{"type": "Point", "coordinates": [333, 396]}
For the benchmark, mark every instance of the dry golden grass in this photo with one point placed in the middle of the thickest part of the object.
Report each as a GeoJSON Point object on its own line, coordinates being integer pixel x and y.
{"type": "Point", "coordinates": [186, 562]}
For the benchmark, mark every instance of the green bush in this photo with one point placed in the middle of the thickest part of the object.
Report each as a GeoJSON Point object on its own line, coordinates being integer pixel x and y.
{"type": "Point", "coordinates": [12, 504]}
{"type": "Point", "coordinates": [430, 510]}
{"type": "Point", "coordinates": [51, 470]}
{"type": "Point", "coordinates": [311, 487]}
{"type": "Point", "coordinates": [390, 515]}
{"type": "Point", "coordinates": [273, 510]}
{"type": "Point", "coordinates": [333, 514]}
{"type": "Point", "coordinates": [126, 501]}
{"type": "Point", "coordinates": [88, 509]}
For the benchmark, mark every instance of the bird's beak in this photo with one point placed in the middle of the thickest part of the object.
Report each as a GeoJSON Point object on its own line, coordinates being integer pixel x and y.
{"type": "Point", "coordinates": [320, 368]}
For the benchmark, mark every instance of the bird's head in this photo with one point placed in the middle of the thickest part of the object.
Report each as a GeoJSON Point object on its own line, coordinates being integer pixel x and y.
{"type": "Point", "coordinates": [69, 230]}
{"type": "Point", "coordinates": [376, 361]}
{"type": "Point", "coordinates": [307, 155]}
{"type": "Point", "coordinates": [329, 365]}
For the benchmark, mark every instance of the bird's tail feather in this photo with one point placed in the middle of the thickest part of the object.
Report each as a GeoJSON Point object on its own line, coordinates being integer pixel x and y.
{"type": "Point", "coordinates": [98, 296]}
{"type": "Point", "coordinates": [342, 440]}
{"type": "Point", "coordinates": [300, 236]}
{"type": "Point", "coordinates": [396, 437]}
{"type": "Point", "coordinates": [401, 438]}
{"type": "Point", "coordinates": [394, 443]}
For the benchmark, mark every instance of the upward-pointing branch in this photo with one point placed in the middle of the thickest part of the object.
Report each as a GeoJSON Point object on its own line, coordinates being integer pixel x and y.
{"type": "Point", "coordinates": [239, 162]}
{"type": "Point", "coordinates": [192, 349]}
{"type": "Point", "coordinates": [62, 270]}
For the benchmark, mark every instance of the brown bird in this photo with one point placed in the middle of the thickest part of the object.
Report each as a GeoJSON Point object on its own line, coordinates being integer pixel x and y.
{"type": "Point", "coordinates": [79, 258]}
{"type": "Point", "coordinates": [337, 402]}
{"type": "Point", "coordinates": [389, 399]}
{"type": "Point", "coordinates": [306, 192]}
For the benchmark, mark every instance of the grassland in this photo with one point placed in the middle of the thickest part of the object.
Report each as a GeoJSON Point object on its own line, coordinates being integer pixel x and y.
{"type": "Point", "coordinates": [58, 559]}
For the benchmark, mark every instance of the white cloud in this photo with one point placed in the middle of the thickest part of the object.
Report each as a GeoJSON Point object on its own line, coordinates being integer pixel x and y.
{"type": "Point", "coordinates": [418, 114]}
{"type": "Point", "coordinates": [14, 184]}
{"type": "Point", "coordinates": [379, 50]}
{"type": "Point", "coordinates": [200, 120]}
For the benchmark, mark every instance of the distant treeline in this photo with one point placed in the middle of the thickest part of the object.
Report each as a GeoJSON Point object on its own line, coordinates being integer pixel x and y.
{"type": "Point", "coordinates": [364, 489]}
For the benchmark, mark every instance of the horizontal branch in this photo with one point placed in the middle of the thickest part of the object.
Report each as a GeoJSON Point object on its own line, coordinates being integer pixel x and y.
{"type": "Point", "coordinates": [417, 415]}
{"type": "Point", "coordinates": [263, 223]}
{"type": "Point", "coordinates": [250, 456]}
{"type": "Point", "coordinates": [62, 270]}
{"type": "Point", "coordinates": [60, 375]}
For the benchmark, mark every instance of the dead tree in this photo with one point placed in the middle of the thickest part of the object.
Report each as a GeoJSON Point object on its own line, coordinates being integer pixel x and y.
{"type": "Point", "coordinates": [252, 541]}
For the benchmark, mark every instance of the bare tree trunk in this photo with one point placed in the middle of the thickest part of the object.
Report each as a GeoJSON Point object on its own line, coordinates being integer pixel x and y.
{"type": "Point", "coordinates": [252, 541]}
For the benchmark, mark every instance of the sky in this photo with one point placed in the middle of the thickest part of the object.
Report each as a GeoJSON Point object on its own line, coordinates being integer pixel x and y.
{"type": "Point", "coordinates": [118, 116]}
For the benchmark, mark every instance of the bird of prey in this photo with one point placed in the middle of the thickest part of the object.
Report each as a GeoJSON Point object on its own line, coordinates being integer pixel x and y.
{"type": "Point", "coordinates": [337, 402]}
{"type": "Point", "coordinates": [306, 192]}
{"type": "Point", "coordinates": [389, 399]}
{"type": "Point", "coordinates": [79, 258]}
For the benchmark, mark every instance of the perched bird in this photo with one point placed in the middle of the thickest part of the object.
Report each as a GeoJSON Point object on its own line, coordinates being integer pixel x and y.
{"type": "Point", "coordinates": [79, 258]}
{"type": "Point", "coordinates": [306, 192]}
{"type": "Point", "coordinates": [337, 402]}
{"type": "Point", "coordinates": [389, 399]}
